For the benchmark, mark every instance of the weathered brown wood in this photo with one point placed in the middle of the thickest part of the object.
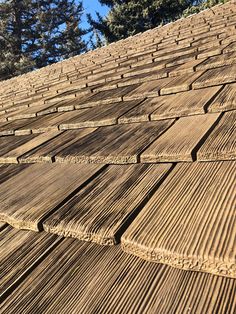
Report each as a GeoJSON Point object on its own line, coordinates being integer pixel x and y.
{"type": "Point", "coordinates": [99, 116]}
{"type": "Point", "coordinates": [119, 144]}
{"type": "Point", "coordinates": [32, 194]}
{"type": "Point", "coordinates": [48, 123]}
{"type": "Point", "coordinates": [218, 76]}
{"type": "Point", "coordinates": [185, 225]}
{"type": "Point", "coordinates": [80, 277]}
{"type": "Point", "coordinates": [226, 100]}
{"type": "Point", "coordinates": [180, 84]}
{"type": "Point", "coordinates": [142, 112]}
{"type": "Point", "coordinates": [99, 211]}
{"type": "Point", "coordinates": [10, 127]}
{"type": "Point", "coordinates": [180, 141]}
{"type": "Point", "coordinates": [184, 104]}
{"type": "Point", "coordinates": [221, 144]}
{"type": "Point", "coordinates": [47, 151]}
{"type": "Point", "coordinates": [105, 97]}
{"type": "Point", "coordinates": [8, 171]}
{"type": "Point", "coordinates": [217, 61]}
{"type": "Point", "coordinates": [147, 89]}
{"type": "Point", "coordinates": [8, 143]}
{"type": "Point", "coordinates": [20, 251]}
{"type": "Point", "coordinates": [12, 154]}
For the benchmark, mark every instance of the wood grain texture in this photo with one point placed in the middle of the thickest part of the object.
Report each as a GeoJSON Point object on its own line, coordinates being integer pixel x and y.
{"type": "Point", "coordinates": [99, 211]}
{"type": "Point", "coordinates": [218, 76]}
{"type": "Point", "coordinates": [79, 277]}
{"type": "Point", "coordinates": [179, 142]}
{"type": "Point", "coordinates": [12, 155]}
{"type": "Point", "coordinates": [47, 151]}
{"type": "Point", "coordinates": [105, 97]}
{"type": "Point", "coordinates": [20, 251]}
{"type": "Point", "coordinates": [8, 171]}
{"type": "Point", "coordinates": [190, 221]}
{"type": "Point", "coordinates": [99, 116]}
{"type": "Point", "coordinates": [8, 143]}
{"type": "Point", "coordinates": [186, 68]}
{"type": "Point", "coordinates": [119, 144]}
{"type": "Point", "coordinates": [48, 123]}
{"type": "Point", "coordinates": [184, 104]}
{"type": "Point", "coordinates": [217, 61]}
{"type": "Point", "coordinates": [10, 127]}
{"type": "Point", "coordinates": [32, 194]}
{"type": "Point", "coordinates": [180, 84]}
{"type": "Point", "coordinates": [226, 100]}
{"type": "Point", "coordinates": [148, 89]}
{"type": "Point", "coordinates": [221, 144]}
{"type": "Point", "coordinates": [142, 112]}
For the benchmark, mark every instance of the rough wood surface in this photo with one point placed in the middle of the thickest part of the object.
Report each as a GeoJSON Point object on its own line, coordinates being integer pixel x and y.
{"type": "Point", "coordinates": [99, 211]}
{"type": "Point", "coordinates": [47, 151]}
{"type": "Point", "coordinates": [179, 143]}
{"type": "Point", "coordinates": [8, 171]}
{"type": "Point", "coordinates": [142, 112]}
{"type": "Point", "coordinates": [44, 124]}
{"type": "Point", "coordinates": [184, 104]}
{"type": "Point", "coordinates": [12, 155]}
{"type": "Point", "coordinates": [226, 100]}
{"type": "Point", "coordinates": [218, 76]}
{"type": "Point", "coordinates": [147, 89]}
{"type": "Point", "coordinates": [20, 251]}
{"type": "Point", "coordinates": [79, 277]}
{"type": "Point", "coordinates": [180, 84]}
{"type": "Point", "coordinates": [105, 97]}
{"type": "Point", "coordinates": [99, 116]}
{"type": "Point", "coordinates": [119, 144]}
{"type": "Point", "coordinates": [221, 144]}
{"type": "Point", "coordinates": [32, 194]}
{"type": "Point", "coordinates": [190, 221]}
{"type": "Point", "coordinates": [11, 127]}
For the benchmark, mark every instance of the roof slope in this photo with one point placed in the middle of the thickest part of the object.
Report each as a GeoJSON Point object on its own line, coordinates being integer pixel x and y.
{"type": "Point", "coordinates": [118, 176]}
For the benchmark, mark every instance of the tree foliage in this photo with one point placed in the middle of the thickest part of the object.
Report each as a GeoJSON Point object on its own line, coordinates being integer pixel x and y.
{"type": "Point", "coordinates": [35, 33]}
{"type": "Point", "coordinates": [202, 5]}
{"type": "Point", "coordinates": [127, 18]}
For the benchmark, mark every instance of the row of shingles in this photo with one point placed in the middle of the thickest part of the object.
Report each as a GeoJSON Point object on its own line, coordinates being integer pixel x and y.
{"type": "Point", "coordinates": [175, 106]}
{"type": "Point", "coordinates": [97, 210]}
{"type": "Point", "coordinates": [20, 253]}
{"type": "Point", "coordinates": [86, 278]}
{"type": "Point", "coordinates": [33, 193]}
{"type": "Point", "coordinates": [185, 226]}
{"type": "Point", "coordinates": [11, 148]}
{"type": "Point", "coordinates": [212, 133]}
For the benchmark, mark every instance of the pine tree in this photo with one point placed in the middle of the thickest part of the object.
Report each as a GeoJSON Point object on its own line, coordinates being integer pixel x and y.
{"type": "Point", "coordinates": [127, 18]}
{"type": "Point", "coordinates": [202, 5]}
{"type": "Point", "coordinates": [16, 17]}
{"type": "Point", "coordinates": [35, 33]}
{"type": "Point", "coordinates": [59, 34]}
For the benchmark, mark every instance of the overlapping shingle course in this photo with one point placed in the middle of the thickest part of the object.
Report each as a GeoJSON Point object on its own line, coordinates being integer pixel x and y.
{"type": "Point", "coordinates": [155, 114]}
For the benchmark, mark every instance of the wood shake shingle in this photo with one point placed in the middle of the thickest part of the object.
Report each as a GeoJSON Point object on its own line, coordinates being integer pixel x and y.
{"type": "Point", "coordinates": [132, 147]}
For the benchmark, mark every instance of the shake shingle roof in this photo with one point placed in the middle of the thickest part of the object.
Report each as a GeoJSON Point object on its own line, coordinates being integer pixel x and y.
{"type": "Point", "coordinates": [130, 150]}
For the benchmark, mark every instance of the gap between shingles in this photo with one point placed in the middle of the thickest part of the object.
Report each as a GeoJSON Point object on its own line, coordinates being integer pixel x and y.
{"type": "Point", "coordinates": [131, 217]}
{"type": "Point", "coordinates": [40, 224]}
{"type": "Point", "coordinates": [18, 281]}
{"type": "Point", "coordinates": [205, 137]}
{"type": "Point", "coordinates": [143, 150]}
{"type": "Point", "coordinates": [209, 102]}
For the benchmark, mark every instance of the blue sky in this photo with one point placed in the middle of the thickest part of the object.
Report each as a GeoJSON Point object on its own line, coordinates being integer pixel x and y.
{"type": "Point", "coordinates": [91, 6]}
